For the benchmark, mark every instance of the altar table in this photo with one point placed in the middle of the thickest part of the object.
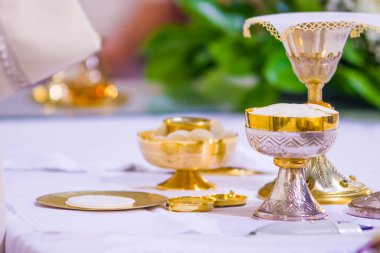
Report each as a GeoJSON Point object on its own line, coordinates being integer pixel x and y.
{"type": "Point", "coordinates": [44, 156]}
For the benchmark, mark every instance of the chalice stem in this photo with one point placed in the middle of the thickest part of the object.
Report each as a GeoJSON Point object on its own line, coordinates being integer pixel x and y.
{"type": "Point", "coordinates": [315, 92]}
{"type": "Point", "coordinates": [186, 180]}
{"type": "Point", "coordinates": [290, 199]}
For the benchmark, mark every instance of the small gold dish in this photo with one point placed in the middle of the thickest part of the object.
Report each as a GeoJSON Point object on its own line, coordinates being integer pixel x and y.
{"type": "Point", "coordinates": [228, 199]}
{"type": "Point", "coordinates": [190, 204]}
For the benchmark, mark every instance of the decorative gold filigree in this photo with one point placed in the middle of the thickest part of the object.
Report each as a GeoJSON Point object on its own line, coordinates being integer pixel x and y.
{"type": "Point", "coordinates": [267, 25]}
{"type": "Point", "coordinates": [356, 28]}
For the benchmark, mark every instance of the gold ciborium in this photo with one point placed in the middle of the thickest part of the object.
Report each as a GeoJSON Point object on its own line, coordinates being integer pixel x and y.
{"type": "Point", "coordinates": [83, 85]}
{"type": "Point", "coordinates": [293, 141]}
{"type": "Point", "coordinates": [314, 45]}
{"type": "Point", "coordinates": [186, 157]}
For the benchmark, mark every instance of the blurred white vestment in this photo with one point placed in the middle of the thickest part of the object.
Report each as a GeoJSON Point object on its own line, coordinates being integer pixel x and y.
{"type": "Point", "coordinates": [39, 38]}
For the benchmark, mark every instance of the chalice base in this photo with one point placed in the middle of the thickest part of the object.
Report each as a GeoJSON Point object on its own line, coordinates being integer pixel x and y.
{"type": "Point", "coordinates": [186, 180]}
{"type": "Point", "coordinates": [290, 199]}
{"type": "Point", "coordinates": [327, 185]}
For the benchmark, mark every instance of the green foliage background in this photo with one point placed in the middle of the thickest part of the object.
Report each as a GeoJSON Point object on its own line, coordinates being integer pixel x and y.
{"type": "Point", "coordinates": [207, 60]}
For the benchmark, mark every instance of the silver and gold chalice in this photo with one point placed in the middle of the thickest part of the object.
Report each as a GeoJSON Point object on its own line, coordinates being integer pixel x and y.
{"type": "Point", "coordinates": [187, 157]}
{"type": "Point", "coordinates": [314, 45]}
{"type": "Point", "coordinates": [293, 141]}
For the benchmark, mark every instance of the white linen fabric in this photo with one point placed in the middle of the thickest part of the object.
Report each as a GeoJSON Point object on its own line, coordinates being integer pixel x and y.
{"type": "Point", "coordinates": [39, 38]}
{"type": "Point", "coordinates": [2, 208]}
{"type": "Point", "coordinates": [283, 21]}
{"type": "Point", "coordinates": [112, 143]}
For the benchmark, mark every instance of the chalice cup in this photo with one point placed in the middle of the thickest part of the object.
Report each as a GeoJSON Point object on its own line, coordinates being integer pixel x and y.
{"type": "Point", "coordinates": [293, 141]}
{"type": "Point", "coordinates": [187, 157]}
{"type": "Point", "coordinates": [314, 50]}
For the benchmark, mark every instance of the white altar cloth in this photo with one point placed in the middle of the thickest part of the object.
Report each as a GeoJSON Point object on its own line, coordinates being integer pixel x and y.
{"type": "Point", "coordinates": [68, 154]}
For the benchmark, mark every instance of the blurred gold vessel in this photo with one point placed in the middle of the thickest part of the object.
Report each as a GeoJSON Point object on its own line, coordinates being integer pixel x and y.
{"type": "Point", "coordinates": [186, 157]}
{"type": "Point", "coordinates": [83, 85]}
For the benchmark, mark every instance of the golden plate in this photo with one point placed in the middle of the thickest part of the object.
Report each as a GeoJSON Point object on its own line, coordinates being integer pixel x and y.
{"type": "Point", "coordinates": [142, 199]}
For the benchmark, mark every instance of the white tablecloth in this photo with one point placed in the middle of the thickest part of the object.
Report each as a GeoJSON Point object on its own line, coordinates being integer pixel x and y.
{"type": "Point", "coordinates": [88, 154]}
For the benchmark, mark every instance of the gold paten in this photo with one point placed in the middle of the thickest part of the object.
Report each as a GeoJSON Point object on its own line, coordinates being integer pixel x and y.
{"type": "Point", "coordinates": [142, 199]}
{"type": "Point", "coordinates": [190, 204]}
{"type": "Point", "coordinates": [314, 50]}
{"type": "Point", "coordinates": [228, 199]}
{"type": "Point", "coordinates": [290, 124]}
{"type": "Point", "coordinates": [186, 123]}
{"type": "Point", "coordinates": [188, 158]}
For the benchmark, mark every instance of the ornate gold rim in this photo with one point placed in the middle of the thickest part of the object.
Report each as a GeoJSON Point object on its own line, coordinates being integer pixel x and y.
{"type": "Point", "coordinates": [290, 124]}
{"type": "Point", "coordinates": [357, 28]}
